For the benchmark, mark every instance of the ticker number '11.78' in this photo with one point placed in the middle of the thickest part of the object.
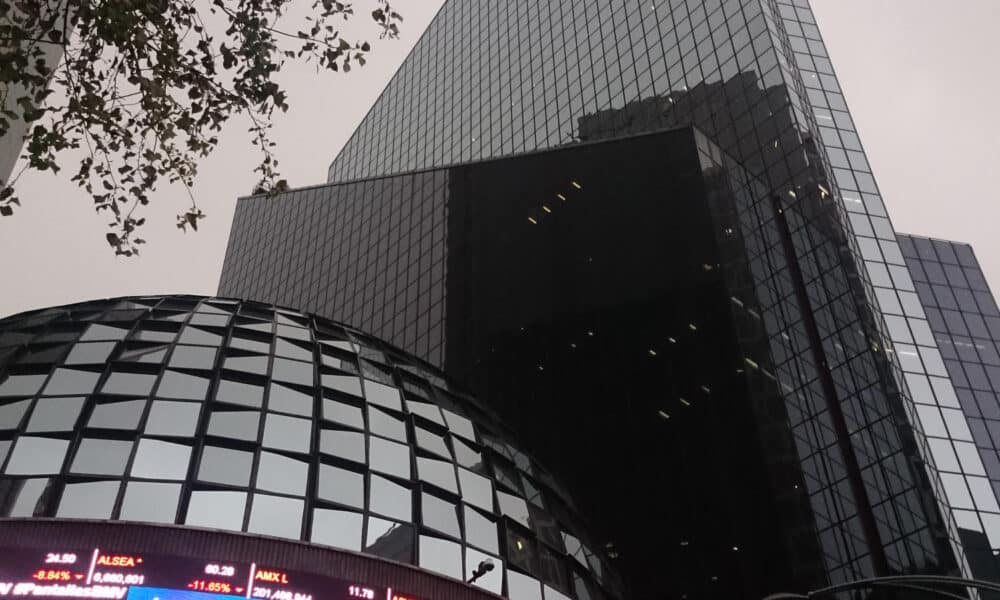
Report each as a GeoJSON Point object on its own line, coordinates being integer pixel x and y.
{"type": "Point", "coordinates": [96, 573]}
{"type": "Point", "coordinates": [361, 592]}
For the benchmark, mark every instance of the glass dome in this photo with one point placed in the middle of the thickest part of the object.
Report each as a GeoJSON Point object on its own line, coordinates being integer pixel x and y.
{"type": "Point", "coordinates": [240, 416]}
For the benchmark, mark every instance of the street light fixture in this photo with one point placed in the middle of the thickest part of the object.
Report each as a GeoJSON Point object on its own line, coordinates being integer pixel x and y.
{"type": "Point", "coordinates": [484, 567]}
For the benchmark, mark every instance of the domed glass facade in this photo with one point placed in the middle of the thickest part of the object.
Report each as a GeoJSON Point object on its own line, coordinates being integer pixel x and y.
{"type": "Point", "coordinates": [240, 416]}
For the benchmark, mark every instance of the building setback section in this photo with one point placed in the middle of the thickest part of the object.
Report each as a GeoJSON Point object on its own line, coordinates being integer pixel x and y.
{"type": "Point", "coordinates": [640, 302]}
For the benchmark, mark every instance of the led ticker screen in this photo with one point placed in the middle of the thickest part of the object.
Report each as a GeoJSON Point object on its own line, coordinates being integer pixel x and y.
{"type": "Point", "coordinates": [104, 574]}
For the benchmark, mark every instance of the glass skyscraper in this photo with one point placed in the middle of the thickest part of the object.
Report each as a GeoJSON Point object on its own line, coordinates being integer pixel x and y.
{"type": "Point", "coordinates": [496, 123]}
{"type": "Point", "coordinates": [494, 78]}
{"type": "Point", "coordinates": [965, 321]}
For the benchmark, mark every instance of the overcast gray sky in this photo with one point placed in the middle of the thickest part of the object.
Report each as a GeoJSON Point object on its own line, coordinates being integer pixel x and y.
{"type": "Point", "coordinates": [919, 76]}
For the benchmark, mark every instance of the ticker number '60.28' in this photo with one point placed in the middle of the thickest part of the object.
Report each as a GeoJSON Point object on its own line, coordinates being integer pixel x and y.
{"type": "Point", "coordinates": [220, 570]}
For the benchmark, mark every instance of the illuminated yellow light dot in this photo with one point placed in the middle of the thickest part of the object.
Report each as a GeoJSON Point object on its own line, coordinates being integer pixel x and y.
{"type": "Point", "coordinates": [533, 221]}
{"type": "Point", "coordinates": [546, 209]}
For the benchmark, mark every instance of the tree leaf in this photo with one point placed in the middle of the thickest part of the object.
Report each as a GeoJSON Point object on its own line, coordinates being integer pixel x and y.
{"type": "Point", "coordinates": [141, 94]}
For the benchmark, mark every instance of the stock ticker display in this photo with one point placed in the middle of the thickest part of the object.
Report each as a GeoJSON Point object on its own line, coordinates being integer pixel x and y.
{"type": "Point", "coordinates": [98, 573]}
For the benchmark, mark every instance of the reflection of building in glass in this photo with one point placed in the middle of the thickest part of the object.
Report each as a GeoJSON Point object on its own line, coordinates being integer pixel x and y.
{"type": "Point", "coordinates": [237, 416]}
{"type": "Point", "coordinates": [743, 94]}
{"type": "Point", "coordinates": [965, 321]}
